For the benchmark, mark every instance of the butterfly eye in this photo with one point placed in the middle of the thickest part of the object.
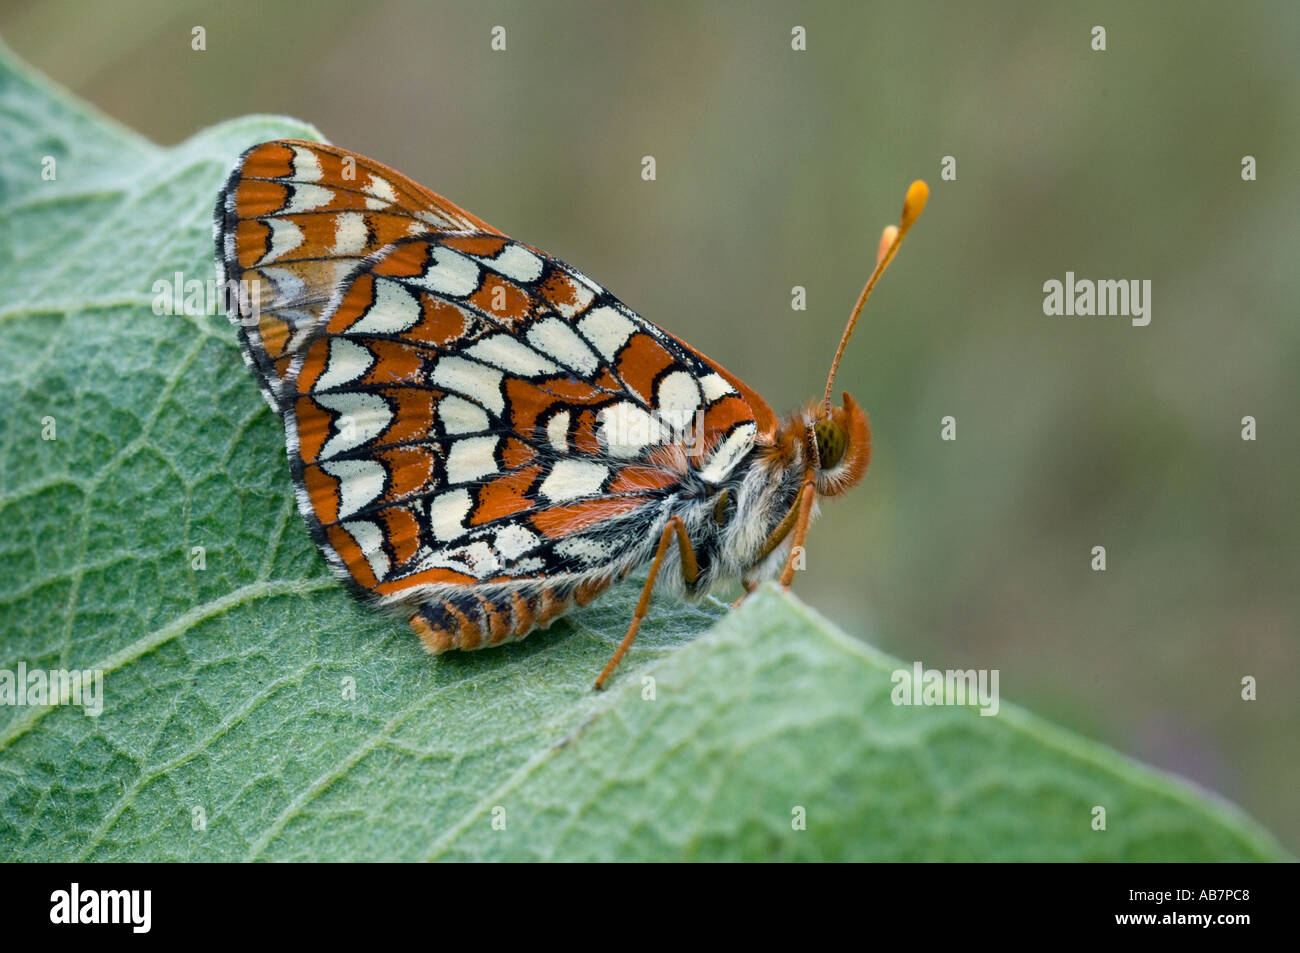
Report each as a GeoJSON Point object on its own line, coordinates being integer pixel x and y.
{"type": "Point", "coordinates": [832, 441]}
{"type": "Point", "coordinates": [723, 509]}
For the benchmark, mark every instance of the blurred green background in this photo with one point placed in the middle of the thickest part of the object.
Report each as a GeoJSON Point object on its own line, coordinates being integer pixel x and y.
{"type": "Point", "coordinates": [778, 168]}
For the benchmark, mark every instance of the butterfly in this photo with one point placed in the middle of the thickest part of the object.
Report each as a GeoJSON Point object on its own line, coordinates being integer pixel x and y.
{"type": "Point", "coordinates": [482, 435]}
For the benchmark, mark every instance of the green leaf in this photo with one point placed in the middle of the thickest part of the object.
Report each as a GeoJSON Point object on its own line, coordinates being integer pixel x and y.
{"type": "Point", "coordinates": [228, 729]}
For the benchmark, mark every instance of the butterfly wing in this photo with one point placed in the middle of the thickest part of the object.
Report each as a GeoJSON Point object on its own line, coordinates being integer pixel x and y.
{"type": "Point", "coordinates": [293, 219]}
{"type": "Point", "coordinates": [474, 427]}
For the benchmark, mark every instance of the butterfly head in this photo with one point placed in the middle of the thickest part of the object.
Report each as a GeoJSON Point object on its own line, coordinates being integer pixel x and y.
{"type": "Point", "coordinates": [840, 446]}
{"type": "Point", "coordinates": [833, 445]}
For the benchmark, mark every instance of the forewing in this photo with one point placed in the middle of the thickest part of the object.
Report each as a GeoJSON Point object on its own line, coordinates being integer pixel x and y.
{"type": "Point", "coordinates": [292, 221]}
{"type": "Point", "coordinates": [459, 407]}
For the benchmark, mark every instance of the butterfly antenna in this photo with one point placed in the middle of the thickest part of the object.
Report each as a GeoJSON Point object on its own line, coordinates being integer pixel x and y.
{"type": "Point", "coordinates": [890, 239]}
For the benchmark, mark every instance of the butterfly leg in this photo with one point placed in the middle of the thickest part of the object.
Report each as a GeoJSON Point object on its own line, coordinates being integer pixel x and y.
{"type": "Point", "coordinates": [804, 506]}
{"type": "Point", "coordinates": [690, 570]}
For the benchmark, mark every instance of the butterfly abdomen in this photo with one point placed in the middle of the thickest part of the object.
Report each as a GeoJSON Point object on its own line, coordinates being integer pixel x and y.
{"type": "Point", "coordinates": [483, 617]}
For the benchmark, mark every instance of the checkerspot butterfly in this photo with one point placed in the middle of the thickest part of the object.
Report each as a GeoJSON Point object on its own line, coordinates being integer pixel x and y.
{"type": "Point", "coordinates": [483, 435]}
